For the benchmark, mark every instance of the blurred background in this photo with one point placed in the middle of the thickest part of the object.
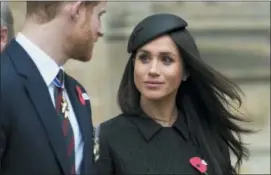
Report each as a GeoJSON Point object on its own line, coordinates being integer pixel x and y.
{"type": "Point", "coordinates": [233, 37]}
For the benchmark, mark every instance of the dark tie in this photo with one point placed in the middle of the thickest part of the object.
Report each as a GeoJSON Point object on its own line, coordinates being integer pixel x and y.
{"type": "Point", "coordinates": [62, 109]}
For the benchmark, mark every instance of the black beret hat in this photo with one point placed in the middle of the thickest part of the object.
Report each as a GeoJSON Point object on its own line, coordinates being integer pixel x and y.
{"type": "Point", "coordinates": [152, 27]}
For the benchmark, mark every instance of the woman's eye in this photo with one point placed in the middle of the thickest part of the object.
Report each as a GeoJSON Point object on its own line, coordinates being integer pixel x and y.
{"type": "Point", "coordinates": [167, 60]}
{"type": "Point", "coordinates": [143, 57]}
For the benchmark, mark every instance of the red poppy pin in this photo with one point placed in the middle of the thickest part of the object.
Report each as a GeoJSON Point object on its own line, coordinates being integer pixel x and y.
{"type": "Point", "coordinates": [199, 164]}
{"type": "Point", "coordinates": [80, 95]}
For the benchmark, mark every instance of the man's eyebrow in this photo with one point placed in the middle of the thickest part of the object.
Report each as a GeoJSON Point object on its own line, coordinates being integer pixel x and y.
{"type": "Point", "coordinates": [103, 12]}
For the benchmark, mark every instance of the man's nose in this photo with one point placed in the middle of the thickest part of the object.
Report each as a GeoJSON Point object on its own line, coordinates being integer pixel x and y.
{"type": "Point", "coordinates": [100, 34]}
{"type": "Point", "coordinates": [100, 31]}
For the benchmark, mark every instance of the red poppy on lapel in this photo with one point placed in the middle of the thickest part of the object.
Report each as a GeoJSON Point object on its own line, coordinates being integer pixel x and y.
{"type": "Point", "coordinates": [199, 164]}
{"type": "Point", "coordinates": [80, 96]}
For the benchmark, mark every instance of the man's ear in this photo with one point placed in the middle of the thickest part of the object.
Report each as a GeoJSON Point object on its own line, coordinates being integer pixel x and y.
{"type": "Point", "coordinates": [4, 36]}
{"type": "Point", "coordinates": [75, 9]}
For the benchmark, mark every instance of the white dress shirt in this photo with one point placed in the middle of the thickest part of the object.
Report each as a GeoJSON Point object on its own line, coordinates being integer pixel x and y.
{"type": "Point", "coordinates": [49, 69]}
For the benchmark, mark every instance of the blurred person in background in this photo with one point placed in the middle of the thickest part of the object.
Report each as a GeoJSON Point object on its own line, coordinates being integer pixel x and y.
{"type": "Point", "coordinates": [46, 125]}
{"type": "Point", "coordinates": [175, 117]}
{"type": "Point", "coordinates": [7, 28]}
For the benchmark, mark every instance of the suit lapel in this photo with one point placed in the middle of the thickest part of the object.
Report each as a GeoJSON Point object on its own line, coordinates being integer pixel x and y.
{"type": "Point", "coordinates": [80, 110]}
{"type": "Point", "coordinates": [39, 95]}
{"type": "Point", "coordinates": [83, 117]}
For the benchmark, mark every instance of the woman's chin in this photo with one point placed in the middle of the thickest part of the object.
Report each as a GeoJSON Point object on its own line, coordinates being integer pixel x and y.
{"type": "Point", "coordinates": [154, 96]}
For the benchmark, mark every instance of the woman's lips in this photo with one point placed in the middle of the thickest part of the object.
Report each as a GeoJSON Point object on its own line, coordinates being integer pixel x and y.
{"type": "Point", "coordinates": [153, 84]}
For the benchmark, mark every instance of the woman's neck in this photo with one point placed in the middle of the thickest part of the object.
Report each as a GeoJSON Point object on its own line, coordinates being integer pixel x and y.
{"type": "Point", "coordinates": [162, 111]}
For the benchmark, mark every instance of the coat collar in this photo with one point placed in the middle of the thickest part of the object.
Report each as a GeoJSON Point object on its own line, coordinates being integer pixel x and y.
{"type": "Point", "coordinates": [148, 127]}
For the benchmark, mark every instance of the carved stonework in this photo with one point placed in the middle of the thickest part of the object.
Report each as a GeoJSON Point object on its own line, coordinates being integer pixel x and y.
{"type": "Point", "coordinates": [123, 17]}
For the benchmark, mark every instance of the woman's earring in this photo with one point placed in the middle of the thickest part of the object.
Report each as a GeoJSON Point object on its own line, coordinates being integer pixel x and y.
{"type": "Point", "coordinates": [185, 76]}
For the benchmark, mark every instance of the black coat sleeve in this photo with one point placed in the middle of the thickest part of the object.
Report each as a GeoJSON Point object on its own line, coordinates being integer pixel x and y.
{"type": "Point", "coordinates": [103, 161]}
{"type": "Point", "coordinates": [2, 145]}
{"type": "Point", "coordinates": [5, 115]}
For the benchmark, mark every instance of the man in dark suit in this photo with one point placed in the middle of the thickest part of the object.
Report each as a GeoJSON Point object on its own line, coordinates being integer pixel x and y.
{"type": "Point", "coordinates": [45, 125]}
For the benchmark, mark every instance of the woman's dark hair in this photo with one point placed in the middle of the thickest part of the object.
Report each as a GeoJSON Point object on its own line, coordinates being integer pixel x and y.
{"type": "Point", "coordinates": [206, 98]}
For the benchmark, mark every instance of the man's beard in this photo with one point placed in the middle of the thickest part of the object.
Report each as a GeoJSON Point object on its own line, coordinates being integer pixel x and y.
{"type": "Point", "coordinates": [80, 47]}
{"type": "Point", "coordinates": [82, 52]}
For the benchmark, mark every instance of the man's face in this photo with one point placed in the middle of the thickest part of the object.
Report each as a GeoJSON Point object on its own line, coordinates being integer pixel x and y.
{"type": "Point", "coordinates": [4, 37]}
{"type": "Point", "coordinates": [85, 31]}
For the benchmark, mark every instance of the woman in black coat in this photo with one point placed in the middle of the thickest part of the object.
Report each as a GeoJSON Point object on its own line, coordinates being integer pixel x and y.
{"type": "Point", "coordinates": [175, 109]}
